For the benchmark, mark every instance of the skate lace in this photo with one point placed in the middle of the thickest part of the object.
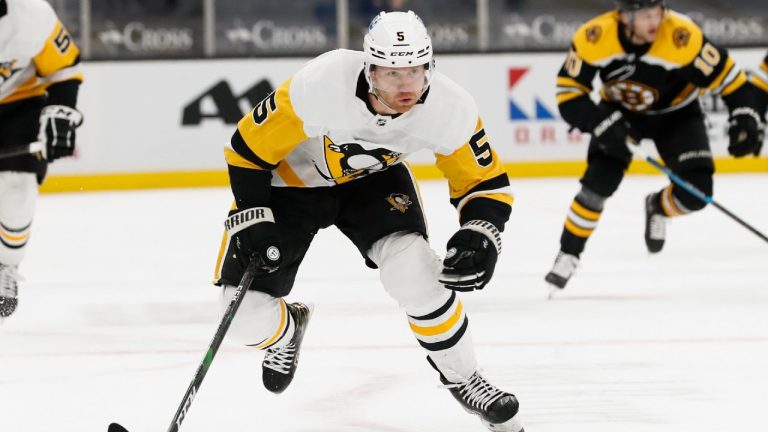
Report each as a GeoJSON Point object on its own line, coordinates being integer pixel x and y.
{"type": "Point", "coordinates": [477, 391]}
{"type": "Point", "coordinates": [8, 278]}
{"type": "Point", "coordinates": [280, 359]}
{"type": "Point", "coordinates": [657, 227]}
{"type": "Point", "coordinates": [565, 265]}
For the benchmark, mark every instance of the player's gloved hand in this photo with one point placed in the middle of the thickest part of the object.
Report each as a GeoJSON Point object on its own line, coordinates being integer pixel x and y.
{"type": "Point", "coordinates": [612, 133]}
{"type": "Point", "coordinates": [744, 132]}
{"type": "Point", "coordinates": [57, 130]}
{"type": "Point", "coordinates": [471, 257]}
{"type": "Point", "coordinates": [253, 233]}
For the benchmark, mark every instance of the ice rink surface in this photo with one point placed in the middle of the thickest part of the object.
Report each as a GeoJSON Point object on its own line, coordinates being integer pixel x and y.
{"type": "Point", "coordinates": [117, 310]}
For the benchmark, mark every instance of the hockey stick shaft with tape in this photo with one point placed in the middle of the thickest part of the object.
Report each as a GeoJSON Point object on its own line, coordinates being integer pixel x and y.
{"type": "Point", "coordinates": [693, 190]}
{"type": "Point", "coordinates": [226, 320]}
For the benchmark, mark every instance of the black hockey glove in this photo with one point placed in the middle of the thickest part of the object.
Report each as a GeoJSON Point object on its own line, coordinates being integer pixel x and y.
{"type": "Point", "coordinates": [612, 133]}
{"type": "Point", "coordinates": [744, 132]}
{"type": "Point", "coordinates": [57, 130]}
{"type": "Point", "coordinates": [253, 234]}
{"type": "Point", "coordinates": [471, 257]}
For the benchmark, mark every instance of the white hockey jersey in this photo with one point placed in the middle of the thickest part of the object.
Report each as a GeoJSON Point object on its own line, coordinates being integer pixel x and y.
{"type": "Point", "coordinates": [315, 131]}
{"type": "Point", "coordinates": [35, 50]}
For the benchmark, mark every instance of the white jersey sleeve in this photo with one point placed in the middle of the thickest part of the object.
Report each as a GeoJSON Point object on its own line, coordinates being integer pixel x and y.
{"type": "Point", "coordinates": [36, 52]}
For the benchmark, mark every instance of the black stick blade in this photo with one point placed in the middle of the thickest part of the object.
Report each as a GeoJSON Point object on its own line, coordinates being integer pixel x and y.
{"type": "Point", "coordinates": [114, 427]}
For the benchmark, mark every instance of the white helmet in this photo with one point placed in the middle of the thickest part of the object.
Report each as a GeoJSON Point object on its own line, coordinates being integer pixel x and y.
{"type": "Point", "coordinates": [397, 39]}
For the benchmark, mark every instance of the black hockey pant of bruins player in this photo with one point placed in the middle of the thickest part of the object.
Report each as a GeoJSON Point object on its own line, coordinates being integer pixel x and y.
{"type": "Point", "coordinates": [681, 140]}
{"type": "Point", "coordinates": [364, 210]}
{"type": "Point", "coordinates": [19, 124]}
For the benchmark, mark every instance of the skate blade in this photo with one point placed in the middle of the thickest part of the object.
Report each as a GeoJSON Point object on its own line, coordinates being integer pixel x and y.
{"type": "Point", "coordinates": [511, 425]}
{"type": "Point", "coordinates": [552, 290]}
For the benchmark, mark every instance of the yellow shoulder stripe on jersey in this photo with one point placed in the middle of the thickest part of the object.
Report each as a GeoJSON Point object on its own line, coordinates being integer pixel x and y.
{"type": "Point", "coordinates": [678, 42]}
{"type": "Point", "coordinates": [597, 41]}
{"type": "Point", "coordinates": [59, 52]}
{"type": "Point", "coordinates": [273, 129]}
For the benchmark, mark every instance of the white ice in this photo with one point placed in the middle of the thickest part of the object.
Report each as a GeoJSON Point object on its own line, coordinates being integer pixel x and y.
{"type": "Point", "coordinates": [117, 311]}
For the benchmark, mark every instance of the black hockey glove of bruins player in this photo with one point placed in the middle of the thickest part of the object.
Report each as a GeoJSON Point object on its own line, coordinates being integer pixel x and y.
{"type": "Point", "coordinates": [612, 133]}
{"type": "Point", "coordinates": [57, 130]}
{"type": "Point", "coordinates": [744, 132]}
{"type": "Point", "coordinates": [253, 234]}
{"type": "Point", "coordinates": [471, 257]}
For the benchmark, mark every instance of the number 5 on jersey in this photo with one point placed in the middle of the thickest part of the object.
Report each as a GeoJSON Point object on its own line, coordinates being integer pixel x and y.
{"type": "Point", "coordinates": [264, 109]}
{"type": "Point", "coordinates": [481, 148]}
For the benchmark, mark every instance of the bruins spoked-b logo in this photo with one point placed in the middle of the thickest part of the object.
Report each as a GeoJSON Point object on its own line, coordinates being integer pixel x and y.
{"type": "Point", "coordinates": [350, 160]}
{"type": "Point", "coordinates": [399, 202]}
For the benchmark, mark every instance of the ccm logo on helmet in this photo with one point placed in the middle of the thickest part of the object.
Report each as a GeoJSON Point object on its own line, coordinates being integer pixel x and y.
{"type": "Point", "coordinates": [401, 53]}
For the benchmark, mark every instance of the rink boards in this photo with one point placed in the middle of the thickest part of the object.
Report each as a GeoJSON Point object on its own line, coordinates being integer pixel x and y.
{"type": "Point", "coordinates": [164, 123]}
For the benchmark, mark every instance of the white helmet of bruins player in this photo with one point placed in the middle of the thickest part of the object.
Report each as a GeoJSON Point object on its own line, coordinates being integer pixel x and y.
{"type": "Point", "coordinates": [398, 40]}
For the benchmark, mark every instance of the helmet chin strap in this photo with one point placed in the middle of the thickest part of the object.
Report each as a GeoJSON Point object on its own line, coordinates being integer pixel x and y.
{"type": "Point", "coordinates": [631, 25]}
{"type": "Point", "coordinates": [378, 98]}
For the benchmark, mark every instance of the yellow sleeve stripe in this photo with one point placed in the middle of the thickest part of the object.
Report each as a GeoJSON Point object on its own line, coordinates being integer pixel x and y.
{"type": "Point", "coordinates": [566, 96]}
{"type": "Point", "coordinates": [720, 81]}
{"type": "Point", "coordinates": [740, 79]}
{"type": "Point", "coordinates": [760, 83]}
{"type": "Point", "coordinates": [570, 82]}
{"type": "Point", "coordinates": [440, 328]}
{"type": "Point", "coordinates": [234, 159]}
{"type": "Point", "coordinates": [279, 131]}
{"type": "Point", "coordinates": [288, 175]}
{"type": "Point", "coordinates": [690, 88]}
{"type": "Point", "coordinates": [59, 52]}
{"type": "Point", "coordinates": [506, 198]}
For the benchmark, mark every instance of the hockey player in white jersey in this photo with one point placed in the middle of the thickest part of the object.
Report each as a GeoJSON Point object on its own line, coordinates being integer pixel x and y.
{"type": "Point", "coordinates": [39, 80]}
{"type": "Point", "coordinates": [326, 148]}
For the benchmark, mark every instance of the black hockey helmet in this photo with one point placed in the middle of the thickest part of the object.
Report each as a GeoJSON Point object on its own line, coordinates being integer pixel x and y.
{"type": "Point", "coordinates": [633, 5]}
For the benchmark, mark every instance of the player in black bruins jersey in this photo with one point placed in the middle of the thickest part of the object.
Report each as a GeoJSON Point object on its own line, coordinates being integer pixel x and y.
{"type": "Point", "coordinates": [39, 80]}
{"type": "Point", "coordinates": [653, 63]}
{"type": "Point", "coordinates": [760, 80]}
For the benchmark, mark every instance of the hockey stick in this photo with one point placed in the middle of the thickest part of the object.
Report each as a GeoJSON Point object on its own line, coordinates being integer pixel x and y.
{"type": "Point", "coordinates": [226, 320]}
{"type": "Point", "coordinates": [33, 147]}
{"type": "Point", "coordinates": [635, 148]}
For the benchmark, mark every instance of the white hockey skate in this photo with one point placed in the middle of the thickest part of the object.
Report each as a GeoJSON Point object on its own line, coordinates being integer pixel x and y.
{"type": "Point", "coordinates": [9, 290]}
{"type": "Point", "coordinates": [562, 270]}
{"type": "Point", "coordinates": [655, 225]}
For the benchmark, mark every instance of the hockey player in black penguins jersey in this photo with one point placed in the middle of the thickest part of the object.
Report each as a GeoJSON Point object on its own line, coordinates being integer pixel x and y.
{"type": "Point", "coordinates": [39, 79]}
{"type": "Point", "coordinates": [653, 64]}
{"type": "Point", "coordinates": [326, 148]}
